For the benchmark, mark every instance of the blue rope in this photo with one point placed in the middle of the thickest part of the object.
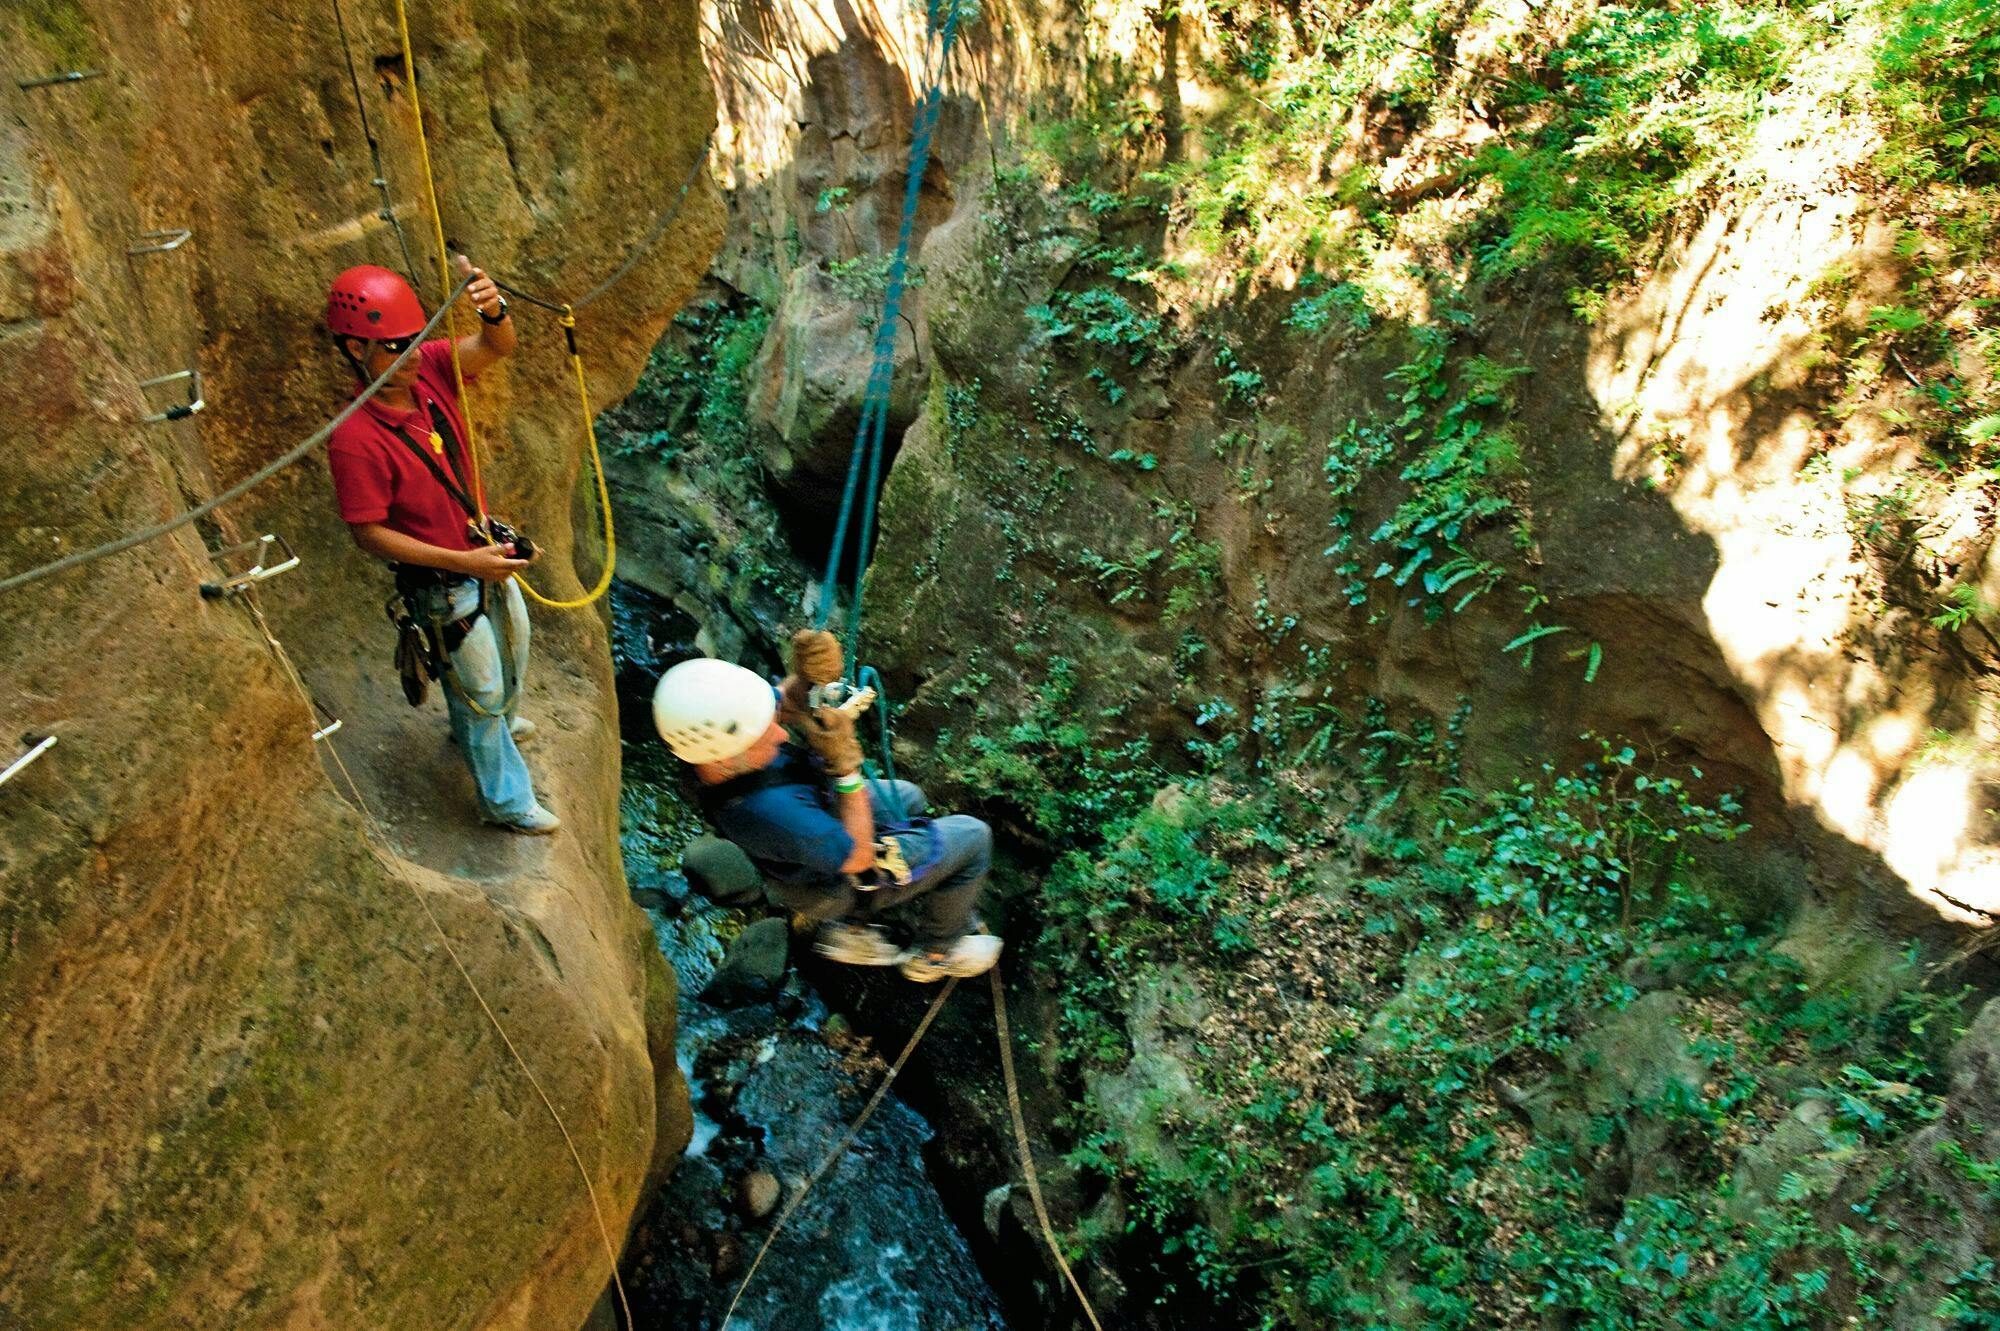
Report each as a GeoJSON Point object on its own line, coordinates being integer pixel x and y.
{"type": "Point", "coordinates": [885, 785]}
{"type": "Point", "coordinates": [871, 431]}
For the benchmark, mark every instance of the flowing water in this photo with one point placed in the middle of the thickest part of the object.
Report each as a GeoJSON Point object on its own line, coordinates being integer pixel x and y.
{"type": "Point", "coordinates": [774, 1086]}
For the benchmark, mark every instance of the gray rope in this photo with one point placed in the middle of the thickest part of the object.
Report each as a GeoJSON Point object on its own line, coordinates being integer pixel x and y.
{"type": "Point", "coordinates": [242, 487]}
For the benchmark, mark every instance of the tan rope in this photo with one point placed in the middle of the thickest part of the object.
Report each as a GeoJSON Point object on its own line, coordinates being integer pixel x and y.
{"type": "Point", "coordinates": [1027, 1152]}
{"type": "Point", "coordinates": [381, 838]}
{"type": "Point", "coordinates": [840, 1148]}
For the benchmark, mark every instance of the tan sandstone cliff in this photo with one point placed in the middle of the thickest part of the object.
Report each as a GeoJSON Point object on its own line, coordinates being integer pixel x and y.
{"type": "Point", "coordinates": [240, 1083]}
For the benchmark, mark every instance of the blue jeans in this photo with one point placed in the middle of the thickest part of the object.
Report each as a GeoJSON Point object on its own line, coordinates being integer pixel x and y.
{"type": "Point", "coordinates": [506, 792]}
{"type": "Point", "coordinates": [946, 891]}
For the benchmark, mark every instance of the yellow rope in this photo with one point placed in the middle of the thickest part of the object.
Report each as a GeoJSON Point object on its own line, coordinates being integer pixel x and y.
{"type": "Point", "coordinates": [479, 496]}
{"type": "Point", "coordinates": [458, 377]}
{"type": "Point", "coordinates": [603, 490]}
{"type": "Point", "coordinates": [1027, 1151]}
{"type": "Point", "coordinates": [380, 837]}
{"type": "Point", "coordinates": [444, 254]}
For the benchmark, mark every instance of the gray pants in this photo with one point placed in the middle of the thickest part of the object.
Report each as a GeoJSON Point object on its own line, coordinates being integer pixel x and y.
{"type": "Point", "coordinates": [945, 893]}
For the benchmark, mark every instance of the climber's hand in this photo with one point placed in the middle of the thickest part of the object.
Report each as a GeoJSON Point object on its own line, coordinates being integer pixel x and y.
{"type": "Point", "coordinates": [829, 731]}
{"type": "Point", "coordinates": [816, 656]}
{"type": "Point", "coordinates": [491, 563]}
{"type": "Point", "coordinates": [793, 694]}
{"type": "Point", "coordinates": [483, 294]}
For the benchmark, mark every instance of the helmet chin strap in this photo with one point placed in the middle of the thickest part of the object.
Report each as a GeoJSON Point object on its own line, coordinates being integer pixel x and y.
{"type": "Point", "coordinates": [341, 340]}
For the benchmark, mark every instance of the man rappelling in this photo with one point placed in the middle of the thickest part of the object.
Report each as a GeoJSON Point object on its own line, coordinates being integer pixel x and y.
{"type": "Point", "coordinates": [839, 848]}
{"type": "Point", "coordinates": [408, 490]}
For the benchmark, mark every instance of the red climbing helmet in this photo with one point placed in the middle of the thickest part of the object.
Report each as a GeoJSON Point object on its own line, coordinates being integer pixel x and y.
{"type": "Point", "coordinates": [373, 303]}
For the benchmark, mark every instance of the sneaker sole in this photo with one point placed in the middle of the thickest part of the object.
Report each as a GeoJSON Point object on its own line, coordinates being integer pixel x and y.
{"type": "Point", "coordinates": [850, 959]}
{"type": "Point", "coordinates": [925, 975]}
{"type": "Point", "coordinates": [519, 830]}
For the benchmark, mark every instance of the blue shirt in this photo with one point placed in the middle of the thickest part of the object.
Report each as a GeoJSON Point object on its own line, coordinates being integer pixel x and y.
{"type": "Point", "coordinates": [783, 821]}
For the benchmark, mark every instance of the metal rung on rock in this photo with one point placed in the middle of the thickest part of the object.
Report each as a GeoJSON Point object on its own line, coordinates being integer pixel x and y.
{"type": "Point", "coordinates": [182, 411]}
{"type": "Point", "coordinates": [39, 748]}
{"type": "Point", "coordinates": [328, 729]}
{"type": "Point", "coordinates": [67, 76]}
{"type": "Point", "coordinates": [159, 242]}
{"type": "Point", "coordinates": [259, 571]}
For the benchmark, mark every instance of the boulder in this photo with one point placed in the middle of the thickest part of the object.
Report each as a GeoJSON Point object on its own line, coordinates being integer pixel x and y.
{"type": "Point", "coordinates": [758, 1194]}
{"type": "Point", "coordinates": [752, 968]}
{"type": "Point", "coordinates": [720, 871]}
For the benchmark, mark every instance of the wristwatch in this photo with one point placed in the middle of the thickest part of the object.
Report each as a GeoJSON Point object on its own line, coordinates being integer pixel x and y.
{"type": "Point", "coordinates": [494, 318]}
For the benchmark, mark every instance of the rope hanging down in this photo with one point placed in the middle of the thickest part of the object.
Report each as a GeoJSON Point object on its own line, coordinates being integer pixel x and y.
{"type": "Point", "coordinates": [242, 487]}
{"type": "Point", "coordinates": [840, 1147]}
{"type": "Point", "coordinates": [567, 314]}
{"type": "Point", "coordinates": [1027, 1151]}
{"type": "Point", "coordinates": [871, 431]}
{"type": "Point", "coordinates": [381, 178]}
{"type": "Point", "coordinates": [443, 254]}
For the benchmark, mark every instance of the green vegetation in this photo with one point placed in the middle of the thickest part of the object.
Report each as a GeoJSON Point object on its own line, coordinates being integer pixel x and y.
{"type": "Point", "coordinates": [1425, 1036]}
{"type": "Point", "coordinates": [1361, 1042]}
{"type": "Point", "coordinates": [691, 393]}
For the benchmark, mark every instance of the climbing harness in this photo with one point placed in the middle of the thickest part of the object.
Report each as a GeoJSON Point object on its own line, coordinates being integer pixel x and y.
{"type": "Point", "coordinates": [427, 638]}
{"type": "Point", "coordinates": [840, 1148]}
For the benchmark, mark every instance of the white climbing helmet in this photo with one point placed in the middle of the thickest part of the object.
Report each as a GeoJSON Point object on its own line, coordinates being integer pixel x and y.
{"type": "Point", "coordinates": [708, 710]}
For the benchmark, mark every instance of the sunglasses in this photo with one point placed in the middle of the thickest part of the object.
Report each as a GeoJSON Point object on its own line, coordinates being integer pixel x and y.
{"type": "Point", "coordinates": [395, 346]}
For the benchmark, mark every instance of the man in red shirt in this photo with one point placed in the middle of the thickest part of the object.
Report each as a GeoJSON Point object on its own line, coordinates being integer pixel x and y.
{"type": "Point", "coordinates": [404, 484]}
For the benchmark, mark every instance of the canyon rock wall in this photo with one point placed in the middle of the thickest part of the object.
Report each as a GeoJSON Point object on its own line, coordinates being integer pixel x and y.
{"type": "Point", "coordinates": [241, 1082]}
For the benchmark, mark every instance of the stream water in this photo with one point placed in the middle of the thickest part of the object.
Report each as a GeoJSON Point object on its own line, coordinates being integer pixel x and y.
{"type": "Point", "coordinates": [774, 1085]}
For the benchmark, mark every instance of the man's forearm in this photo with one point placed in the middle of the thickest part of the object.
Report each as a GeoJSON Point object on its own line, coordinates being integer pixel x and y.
{"type": "Point", "coordinates": [384, 543]}
{"type": "Point", "coordinates": [479, 351]}
{"type": "Point", "coordinates": [858, 817]}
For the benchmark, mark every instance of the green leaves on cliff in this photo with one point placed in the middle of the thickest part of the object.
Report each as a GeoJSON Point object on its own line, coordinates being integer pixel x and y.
{"type": "Point", "coordinates": [1452, 429]}
{"type": "Point", "coordinates": [695, 388]}
{"type": "Point", "coordinates": [1366, 1048]}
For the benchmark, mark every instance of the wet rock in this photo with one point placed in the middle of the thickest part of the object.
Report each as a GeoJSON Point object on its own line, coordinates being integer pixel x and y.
{"type": "Point", "coordinates": [752, 968]}
{"type": "Point", "coordinates": [757, 1194]}
{"type": "Point", "coordinates": [994, 1207]}
{"type": "Point", "coordinates": [720, 871]}
{"type": "Point", "coordinates": [661, 890]}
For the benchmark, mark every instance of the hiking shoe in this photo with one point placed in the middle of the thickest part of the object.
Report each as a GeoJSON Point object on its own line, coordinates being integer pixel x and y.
{"type": "Point", "coordinates": [973, 954]}
{"type": "Point", "coordinates": [856, 945]}
{"type": "Point", "coordinates": [535, 822]}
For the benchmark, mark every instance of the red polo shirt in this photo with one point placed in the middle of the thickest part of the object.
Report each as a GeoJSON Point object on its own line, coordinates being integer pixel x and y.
{"type": "Point", "coordinates": [375, 476]}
